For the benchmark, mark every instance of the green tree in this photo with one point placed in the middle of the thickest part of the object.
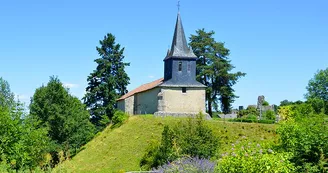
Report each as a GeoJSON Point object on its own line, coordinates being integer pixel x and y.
{"type": "Point", "coordinates": [63, 114]}
{"type": "Point", "coordinates": [318, 86]}
{"type": "Point", "coordinates": [6, 96]}
{"type": "Point", "coordinates": [214, 70]}
{"type": "Point", "coordinates": [107, 83]}
{"type": "Point", "coordinates": [265, 103]}
{"type": "Point", "coordinates": [318, 90]}
{"type": "Point", "coordinates": [23, 145]}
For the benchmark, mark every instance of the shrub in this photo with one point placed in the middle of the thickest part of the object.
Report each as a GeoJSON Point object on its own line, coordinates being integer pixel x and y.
{"type": "Point", "coordinates": [251, 117]}
{"type": "Point", "coordinates": [190, 165]}
{"type": "Point", "coordinates": [199, 142]}
{"type": "Point", "coordinates": [245, 156]}
{"type": "Point", "coordinates": [269, 115]}
{"type": "Point", "coordinates": [307, 140]}
{"type": "Point", "coordinates": [119, 118]}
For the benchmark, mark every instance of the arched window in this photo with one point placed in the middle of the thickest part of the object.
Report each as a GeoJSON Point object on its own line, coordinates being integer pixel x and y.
{"type": "Point", "coordinates": [180, 66]}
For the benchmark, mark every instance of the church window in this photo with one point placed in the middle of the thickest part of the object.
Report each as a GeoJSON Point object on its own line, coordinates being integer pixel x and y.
{"type": "Point", "coordinates": [184, 89]}
{"type": "Point", "coordinates": [180, 66]}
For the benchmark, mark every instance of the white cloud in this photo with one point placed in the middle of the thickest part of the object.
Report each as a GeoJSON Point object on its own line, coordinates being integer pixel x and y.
{"type": "Point", "coordinates": [70, 85]}
{"type": "Point", "coordinates": [151, 76]}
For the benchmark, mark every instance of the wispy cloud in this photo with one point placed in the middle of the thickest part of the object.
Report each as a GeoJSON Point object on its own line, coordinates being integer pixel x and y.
{"type": "Point", "coordinates": [70, 85]}
{"type": "Point", "coordinates": [151, 76]}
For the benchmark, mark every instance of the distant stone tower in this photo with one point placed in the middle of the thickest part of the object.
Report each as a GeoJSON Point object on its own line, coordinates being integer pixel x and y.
{"type": "Point", "coordinates": [180, 93]}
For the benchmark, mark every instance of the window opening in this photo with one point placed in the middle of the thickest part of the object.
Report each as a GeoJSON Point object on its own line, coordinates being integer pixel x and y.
{"type": "Point", "coordinates": [180, 66]}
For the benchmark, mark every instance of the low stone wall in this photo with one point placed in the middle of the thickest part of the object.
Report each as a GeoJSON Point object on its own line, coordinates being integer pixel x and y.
{"type": "Point", "coordinates": [181, 114]}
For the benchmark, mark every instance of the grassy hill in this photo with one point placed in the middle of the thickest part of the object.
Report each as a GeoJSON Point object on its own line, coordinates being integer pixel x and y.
{"type": "Point", "coordinates": [121, 149]}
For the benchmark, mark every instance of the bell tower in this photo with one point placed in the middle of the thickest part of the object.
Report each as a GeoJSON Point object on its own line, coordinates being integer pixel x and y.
{"type": "Point", "coordinates": [180, 61]}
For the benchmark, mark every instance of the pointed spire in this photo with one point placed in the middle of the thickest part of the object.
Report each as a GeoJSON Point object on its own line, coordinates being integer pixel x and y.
{"type": "Point", "coordinates": [179, 46]}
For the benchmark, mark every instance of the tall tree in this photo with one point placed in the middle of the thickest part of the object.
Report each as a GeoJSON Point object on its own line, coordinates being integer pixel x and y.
{"type": "Point", "coordinates": [214, 70]}
{"type": "Point", "coordinates": [107, 83]}
{"type": "Point", "coordinates": [63, 114]}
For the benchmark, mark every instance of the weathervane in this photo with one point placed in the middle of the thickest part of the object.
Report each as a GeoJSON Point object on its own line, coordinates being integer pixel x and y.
{"type": "Point", "coordinates": [178, 5]}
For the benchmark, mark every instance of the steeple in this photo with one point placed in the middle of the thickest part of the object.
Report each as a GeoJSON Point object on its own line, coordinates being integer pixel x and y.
{"type": "Point", "coordinates": [179, 48]}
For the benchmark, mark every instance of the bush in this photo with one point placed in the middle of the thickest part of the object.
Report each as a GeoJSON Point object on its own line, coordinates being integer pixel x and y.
{"type": "Point", "coordinates": [269, 115]}
{"type": "Point", "coordinates": [200, 142]}
{"type": "Point", "coordinates": [251, 117]}
{"type": "Point", "coordinates": [119, 118]}
{"type": "Point", "coordinates": [190, 165]}
{"type": "Point", "coordinates": [307, 140]}
{"type": "Point", "coordinates": [245, 156]}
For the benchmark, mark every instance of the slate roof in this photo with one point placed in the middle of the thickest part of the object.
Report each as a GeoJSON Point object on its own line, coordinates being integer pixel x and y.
{"type": "Point", "coordinates": [142, 88]}
{"type": "Point", "coordinates": [179, 47]}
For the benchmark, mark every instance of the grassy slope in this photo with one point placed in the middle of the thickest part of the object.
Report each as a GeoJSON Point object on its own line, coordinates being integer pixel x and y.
{"type": "Point", "coordinates": [121, 149]}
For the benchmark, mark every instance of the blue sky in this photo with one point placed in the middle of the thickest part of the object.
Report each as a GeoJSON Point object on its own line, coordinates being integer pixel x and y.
{"type": "Point", "coordinates": [279, 44]}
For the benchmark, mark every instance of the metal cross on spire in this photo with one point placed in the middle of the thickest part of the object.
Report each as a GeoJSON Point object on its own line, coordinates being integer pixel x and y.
{"type": "Point", "coordinates": [178, 5]}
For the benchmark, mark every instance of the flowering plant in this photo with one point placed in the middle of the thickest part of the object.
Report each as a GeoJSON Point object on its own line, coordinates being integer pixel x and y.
{"type": "Point", "coordinates": [249, 157]}
{"type": "Point", "coordinates": [187, 165]}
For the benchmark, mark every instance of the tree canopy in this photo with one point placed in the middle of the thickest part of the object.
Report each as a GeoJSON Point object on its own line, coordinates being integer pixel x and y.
{"type": "Point", "coordinates": [214, 70]}
{"type": "Point", "coordinates": [63, 114]}
{"type": "Point", "coordinates": [107, 82]}
{"type": "Point", "coordinates": [318, 86]}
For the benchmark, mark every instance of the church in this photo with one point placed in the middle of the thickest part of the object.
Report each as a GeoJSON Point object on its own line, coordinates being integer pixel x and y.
{"type": "Point", "coordinates": [178, 93]}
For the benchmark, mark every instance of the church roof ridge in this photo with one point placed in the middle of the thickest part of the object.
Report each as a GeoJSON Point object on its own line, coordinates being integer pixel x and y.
{"type": "Point", "coordinates": [179, 47]}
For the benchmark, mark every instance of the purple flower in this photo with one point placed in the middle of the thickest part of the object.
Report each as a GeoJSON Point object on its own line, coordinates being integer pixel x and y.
{"type": "Point", "coordinates": [186, 164]}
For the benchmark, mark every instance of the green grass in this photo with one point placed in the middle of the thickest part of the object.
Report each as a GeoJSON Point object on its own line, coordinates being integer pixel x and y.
{"type": "Point", "coordinates": [121, 149]}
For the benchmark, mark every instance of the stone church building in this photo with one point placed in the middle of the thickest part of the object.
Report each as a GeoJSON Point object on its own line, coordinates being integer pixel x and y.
{"type": "Point", "coordinates": [178, 93]}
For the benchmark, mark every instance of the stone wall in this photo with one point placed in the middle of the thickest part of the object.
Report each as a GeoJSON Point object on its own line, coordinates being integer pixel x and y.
{"type": "Point", "coordinates": [146, 102]}
{"type": "Point", "coordinates": [174, 100]}
{"type": "Point", "coordinates": [126, 105]}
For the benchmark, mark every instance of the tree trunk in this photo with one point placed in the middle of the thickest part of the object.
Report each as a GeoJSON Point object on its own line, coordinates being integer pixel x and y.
{"type": "Point", "coordinates": [209, 107]}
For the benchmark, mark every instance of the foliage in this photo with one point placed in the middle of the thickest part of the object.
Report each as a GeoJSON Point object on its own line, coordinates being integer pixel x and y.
{"type": "Point", "coordinates": [64, 115]}
{"type": "Point", "coordinates": [249, 157]}
{"type": "Point", "coordinates": [119, 118]}
{"type": "Point", "coordinates": [249, 111]}
{"type": "Point", "coordinates": [249, 120]}
{"type": "Point", "coordinates": [107, 83]}
{"type": "Point", "coordinates": [22, 144]}
{"type": "Point", "coordinates": [306, 138]}
{"type": "Point", "coordinates": [318, 86]}
{"type": "Point", "coordinates": [285, 112]}
{"type": "Point", "coordinates": [214, 70]}
{"type": "Point", "coordinates": [175, 143]}
{"type": "Point", "coordinates": [251, 117]}
{"type": "Point", "coordinates": [187, 165]}
{"type": "Point", "coordinates": [6, 96]}
{"type": "Point", "coordinates": [265, 103]}
{"type": "Point", "coordinates": [269, 115]}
